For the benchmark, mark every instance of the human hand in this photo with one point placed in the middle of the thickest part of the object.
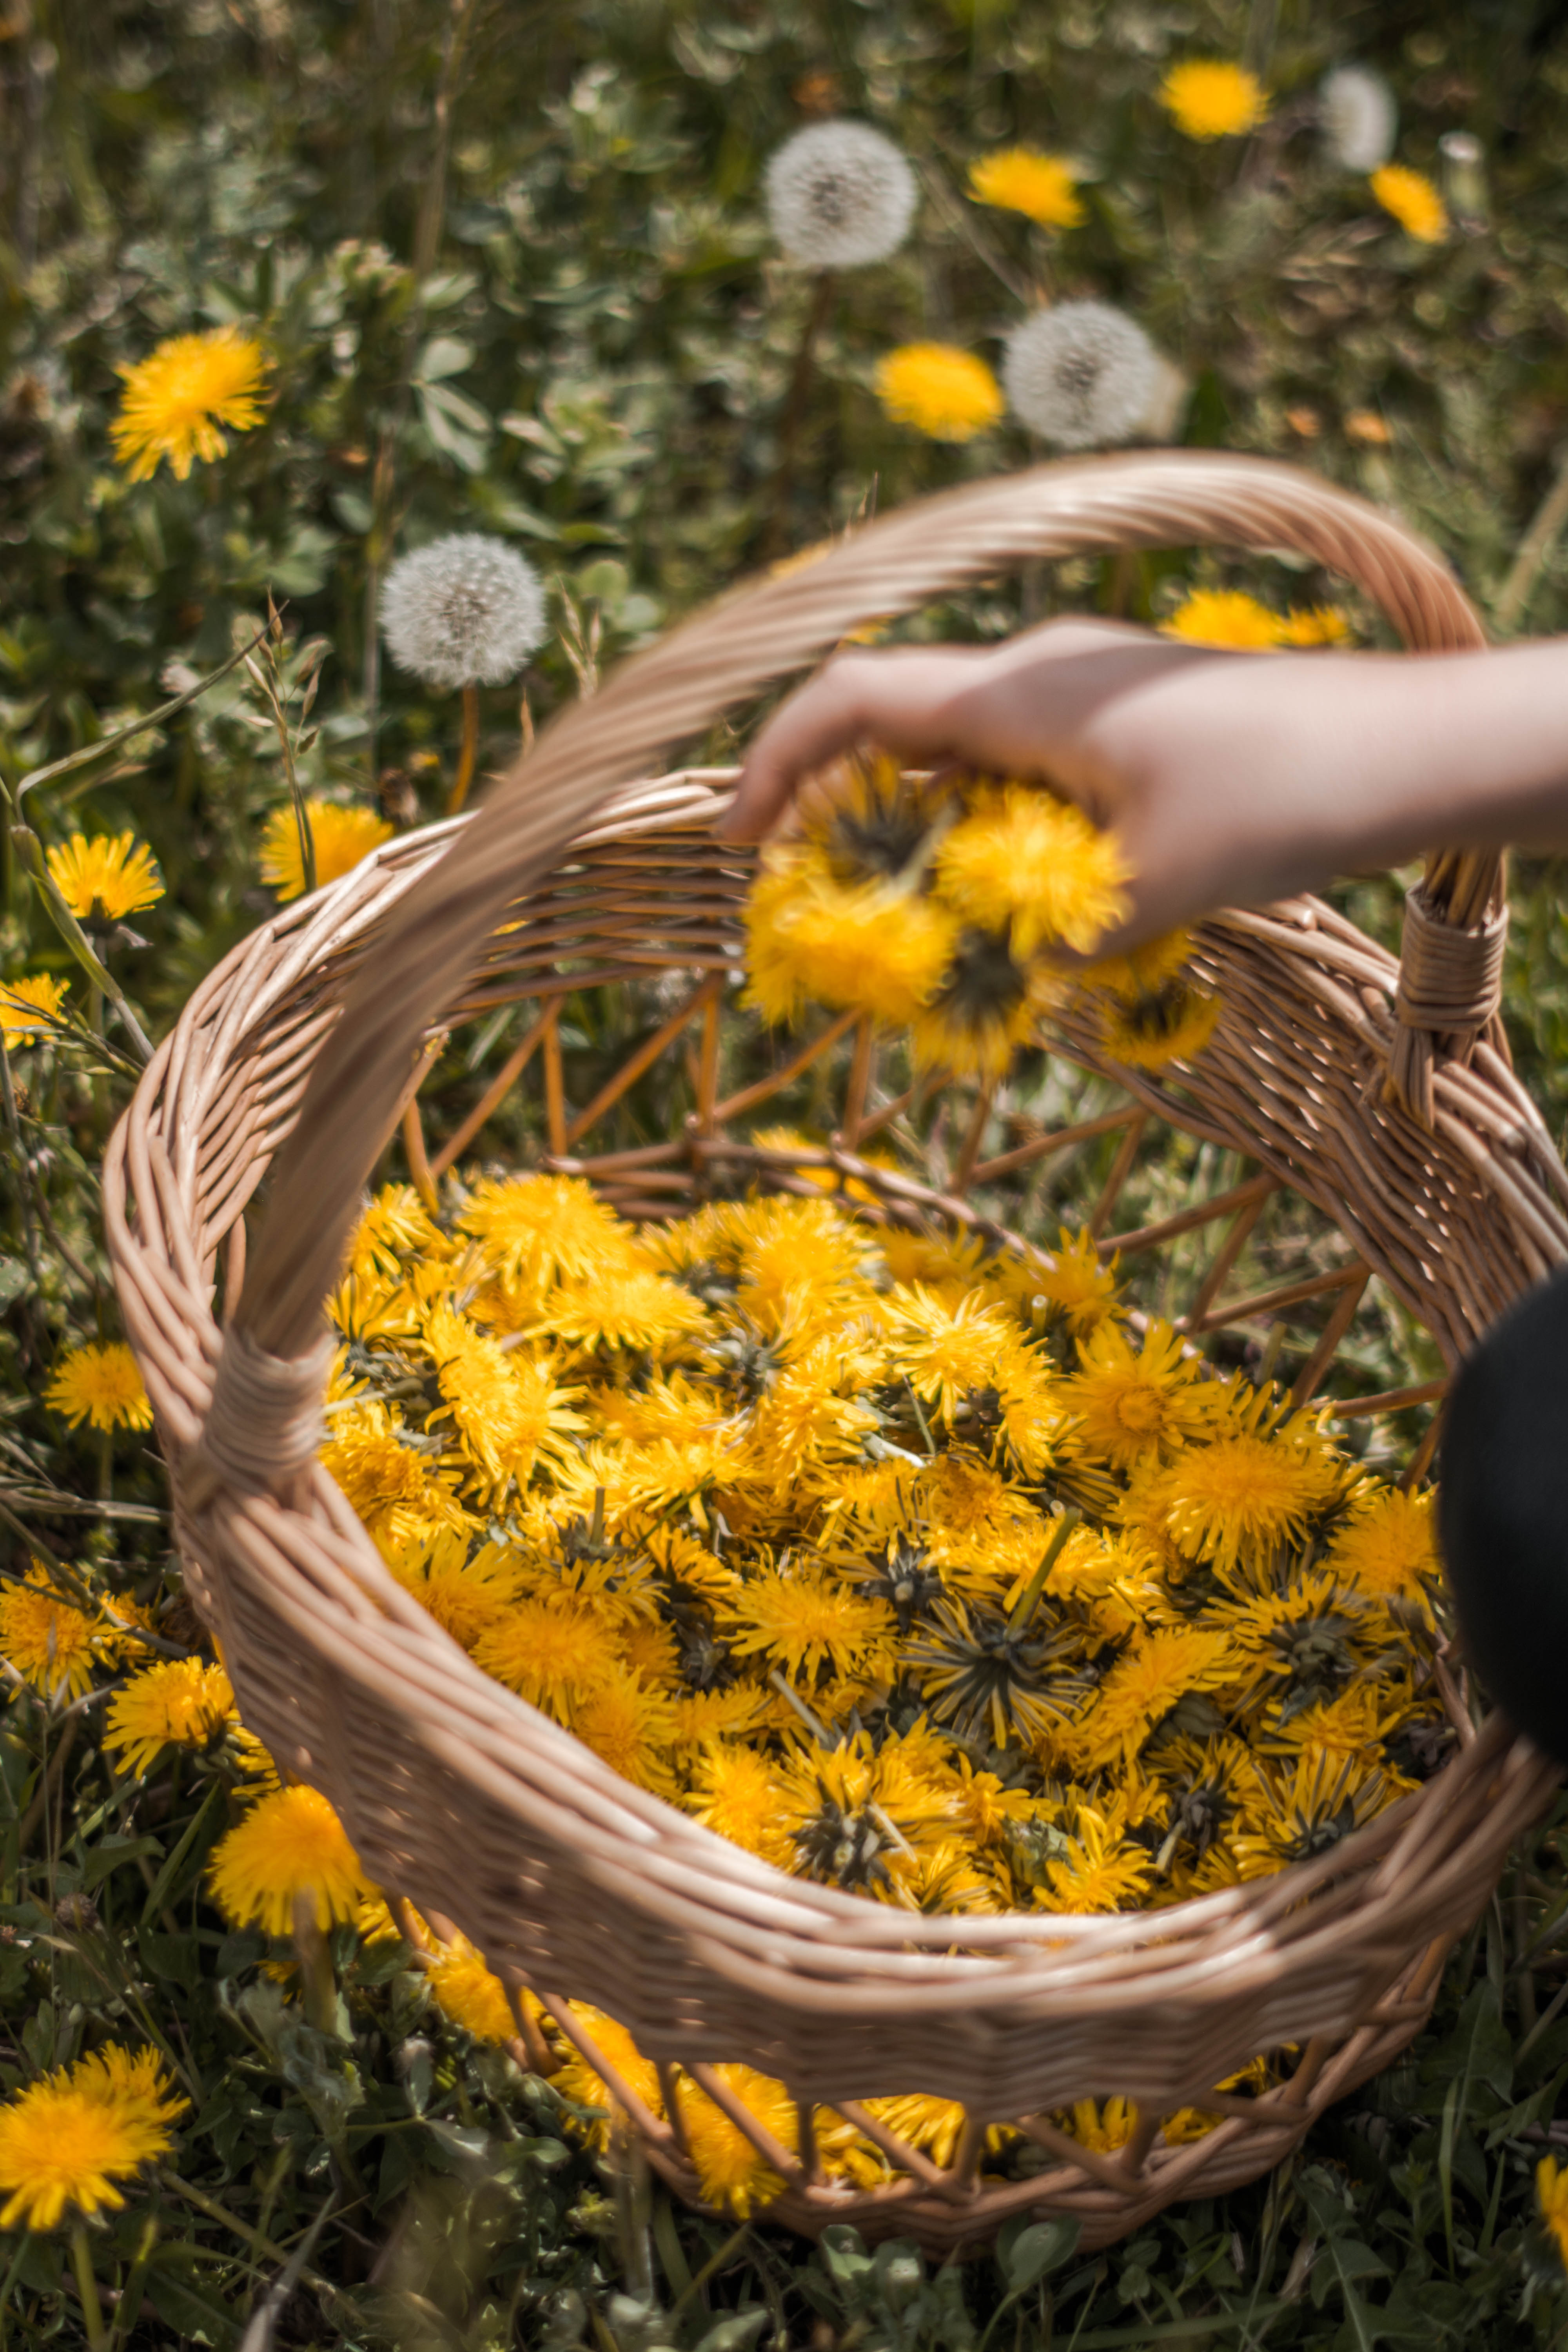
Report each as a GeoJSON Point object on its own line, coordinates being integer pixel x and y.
{"type": "Point", "coordinates": [1229, 777]}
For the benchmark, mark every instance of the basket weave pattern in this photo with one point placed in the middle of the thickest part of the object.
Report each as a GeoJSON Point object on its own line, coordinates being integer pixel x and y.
{"type": "Point", "coordinates": [1386, 1101]}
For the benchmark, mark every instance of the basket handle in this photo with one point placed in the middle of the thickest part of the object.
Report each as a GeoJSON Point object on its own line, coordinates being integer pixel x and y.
{"type": "Point", "coordinates": [261, 1428]}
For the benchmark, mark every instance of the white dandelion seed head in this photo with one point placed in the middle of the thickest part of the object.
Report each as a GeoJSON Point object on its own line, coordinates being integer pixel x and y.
{"type": "Point", "coordinates": [1081, 375]}
{"type": "Point", "coordinates": [465, 611]}
{"type": "Point", "coordinates": [839, 195]}
{"type": "Point", "coordinates": [1360, 118]}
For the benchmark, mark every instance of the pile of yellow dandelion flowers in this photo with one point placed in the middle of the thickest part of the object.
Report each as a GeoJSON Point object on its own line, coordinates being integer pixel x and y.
{"type": "Point", "coordinates": [914, 1570]}
{"type": "Point", "coordinates": [942, 908]}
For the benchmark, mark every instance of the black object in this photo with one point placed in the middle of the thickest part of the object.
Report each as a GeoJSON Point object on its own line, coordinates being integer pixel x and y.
{"type": "Point", "coordinates": [1504, 1513]}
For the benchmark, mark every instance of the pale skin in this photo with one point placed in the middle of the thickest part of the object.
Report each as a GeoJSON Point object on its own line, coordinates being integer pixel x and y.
{"type": "Point", "coordinates": [1232, 778]}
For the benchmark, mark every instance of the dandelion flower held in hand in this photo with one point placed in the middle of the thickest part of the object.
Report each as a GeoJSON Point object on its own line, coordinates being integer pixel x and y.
{"type": "Point", "coordinates": [1413, 202]}
{"type": "Point", "coordinates": [809, 936]}
{"type": "Point", "coordinates": [289, 1845]}
{"type": "Point", "coordinates": [28, 1008]}
{"type": "Point", "coordinates": [467, 610]}
{"type": "Point", "coordinates": [118, 875]}
{"type": "Point", "coordinates": [1021, 857]}
{"type": "Point", "coordinates": [948, 394]}
{"type": "Point", "coordinates": [175, 400]}
{"type": "Point", "coordinates": [1081, 375]}
{"type": "Point", "coordinates": [1358, 117]}
{"type": "Point", "coordinates": [341, 836]}
{"type": "Point", "coordinates": [1021, 180]}
{"type": "Point", "coordinates": [67, 2138]}
{"type": "Point", "coordinates": [103, 1386]}
{"type": "Point", "coordinates": [177, 1703]}
{"type": "Point", "coordinates": [839, 195]}
{"type": "Point", "coordinates": [1208, 97]}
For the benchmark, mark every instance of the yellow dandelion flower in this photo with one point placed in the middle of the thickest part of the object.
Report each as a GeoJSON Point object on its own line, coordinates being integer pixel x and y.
{"type": "Point", "coordinates": [1225, 616]}
{"type": "Point", "coordinates": [735, 1792]}
{"type": "Point", "coordinates": [623, 1307]}
{"type": "Point", "coordinates": [1077, 1290]}
{"type": "Point", "coordinates": [1103, 2128]}
{"type": "Point", "coordinates": [467, 1994]}
{"type": "Point", "coordinates": [1150, 1678]}
{"type": "Point", "coordinates": [115, 873]}
{"type": "Point", "coordinates": [400, 1494]}
{"type": "Point", "coordinates": [554, 1652]}
{"type": "Point", "coordinates": [1100, 1871]}
{"type": "Point", "coordinates": [465, 1597]}
{"type": "Point", "coordinates": [945, 393]}
{"type": "Point", "coordinates": [578, 2081]}
{"type": "Point", "coordinates": [1142, 972]}
{"type": "Point", "coordinates": [67, 2138]}
{"type": "Point", "coordinates": [863, 945]}
{"type": "Point", "coordinates": [1413, 202]}
{"type": "Point", "coordinates": [29, 1008]}
{"type": "Point", "coordinates": [1023, 180]}
{"type": "Point", "coordinates": [1020, 857]}
{"type": "Point", "coordinates": [175, 400]}
{"type": "Point", "coordinates": [1388, 1545]}
{"type": "Point", "coordinates": [947, 1353]}
{"type": "Point", "coordinates": [1551, 2199]}
{"type": "Point", "coordinates": [508, 1411]}
{"type": "Point", "coordinates": [50, 1644]}
{"type": "Point", "coordinates": [630, 1728]}
{"type": "Point", "coordinates": [1133, 1404]}
{"type": "Point", "coordinates": [933, 2125]}
{"type": "Point", "coordinates": [732, 2173]}
{"type": "Point", "coordinates": [1244, 1493]}
{"type": "Point", "coordinates": [1209, 98]}
{"type": "Point", "coordinates": [1172, 1024]}
{"type": "Point", "coordinates": [536, 1231]}
{"type": "Point", "coordinates": [987, 1004]}
{"type": "Point", "coordinates": [290, 1847]}
{"type": "Point", "coordinates": [1314, 624]}
{"type": "Point", "coordinates": [1296, 1816]}
{"type": "Point", "coordinates": [805, 1622]}
{"type": "Point", "coordinates": [178, 1702]}
{"type": "Point", "coordinates": [100, 1385]}
{"type": "Point", "coordinates": [341, 837]}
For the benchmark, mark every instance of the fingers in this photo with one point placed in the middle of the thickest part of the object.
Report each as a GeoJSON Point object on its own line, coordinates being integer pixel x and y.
{"type": "Point", "coordinates": [901, 700]}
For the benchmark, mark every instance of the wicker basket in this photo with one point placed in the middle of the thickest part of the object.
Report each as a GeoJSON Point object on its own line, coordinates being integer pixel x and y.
{"type": "Point", "coordinates": [1383, 1100]}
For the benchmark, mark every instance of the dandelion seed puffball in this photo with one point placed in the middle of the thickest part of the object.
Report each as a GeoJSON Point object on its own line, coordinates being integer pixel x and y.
{"type": "Point", "coordinates": [465, 611]}
{"type": "Point", "coordinates": [1358, 117]}
{"type": "Point", "coordinates": [1081, 375]}
{"type": "Point", "coordinates": [839, 195]}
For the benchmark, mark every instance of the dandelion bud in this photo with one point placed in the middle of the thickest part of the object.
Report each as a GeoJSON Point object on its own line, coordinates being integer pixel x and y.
{"type": "Point", "coordinates": [1081, 375]}
{"type": "Point", "coordinates": [465, 611]}
{"type": "Point", "coordinates": [839, 194]}
{"type": "Point", "coordinates": [1358, 117]}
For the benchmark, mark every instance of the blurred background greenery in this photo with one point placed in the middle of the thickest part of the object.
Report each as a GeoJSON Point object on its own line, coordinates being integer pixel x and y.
{"type": "Point", "coordinates": [511, 270]}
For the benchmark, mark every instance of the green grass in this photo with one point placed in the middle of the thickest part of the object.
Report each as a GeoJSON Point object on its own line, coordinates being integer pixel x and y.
{"type": "Point", "coordinates": [593, 360]}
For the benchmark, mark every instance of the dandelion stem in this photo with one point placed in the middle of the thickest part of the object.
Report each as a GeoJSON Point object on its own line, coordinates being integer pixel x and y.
{"type": "Point", "coordinates": [778, 535]}
{"type": "Point", "coordinates": [1029, 1600]}
{"type": "Point", "coordinates": [469, 752]}
{"type": "Point", "coordinates": [87, 2287]}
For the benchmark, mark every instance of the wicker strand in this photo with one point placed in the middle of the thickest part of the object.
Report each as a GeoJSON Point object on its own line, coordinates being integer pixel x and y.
{"type": "Point", "coordinates": [1450, 987]}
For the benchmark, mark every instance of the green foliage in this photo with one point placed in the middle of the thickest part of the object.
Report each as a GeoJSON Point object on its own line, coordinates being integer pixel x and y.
{"type": "Point", "coordinates": [511, 271]}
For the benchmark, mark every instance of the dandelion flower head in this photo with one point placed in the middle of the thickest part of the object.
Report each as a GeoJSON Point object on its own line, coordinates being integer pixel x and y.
{"type": "Point", "coordinates": [1020, 857]}
{"type": "Point", "coordinates": [69, 2140]}
{"type": "Point", "coordinates": [945, 393]}
{"type": "Point", "coordinates": [1360, 118]}
{"type": "Point", "coordinates": [467, 1994]}
{"type": "Point", "coordinates": [468, 610]}
{"type": "Point", "coordinates": [52, 1645]}
{"type": "Point", "coordinates": [1081, 375]}
{"type": "Point", "coordinates": [1413, 202]}
{"type": "Point", "coordinates": [1209, 98]}
{"type": "Point", "coordinates": [100, 1385]}
{"type": "Point", "coordinates": [1552, 2201]}
{"type": "Point", "coordinates": [341, 837]}
{"type": "Point", "coordinates": [731, 2169]}
{"type": "Point", "coordinates": [174, 401]}
{"type": "Point", "coordinates": [810, 937]}
{"type": "Point", "coordinates": [28, 1008]}
{"type": "Point", "coordinates": [839, 195]}
{"type": "Point", "coordinates": [290, 1848]}
{"type": "Point", "coordinates": [116, 875]}
{"type": "Point", "coordinates": [1022, 180]}
{"type": "Point", "coordinates": [176, 1702]}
